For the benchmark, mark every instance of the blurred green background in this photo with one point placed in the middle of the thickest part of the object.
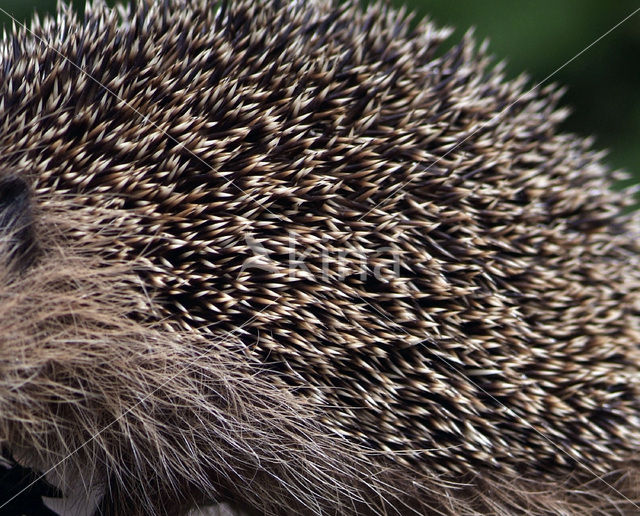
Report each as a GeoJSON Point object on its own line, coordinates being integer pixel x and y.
{"type": "Point", "coordinates": [538, 37]}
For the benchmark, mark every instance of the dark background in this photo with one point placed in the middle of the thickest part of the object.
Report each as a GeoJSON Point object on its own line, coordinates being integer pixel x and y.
{"type": "Point", "coordinates": [538, 36]}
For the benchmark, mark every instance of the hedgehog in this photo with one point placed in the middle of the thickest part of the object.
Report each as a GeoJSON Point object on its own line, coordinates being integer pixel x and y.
{"type": "Point", "coordinates": [300, 258]}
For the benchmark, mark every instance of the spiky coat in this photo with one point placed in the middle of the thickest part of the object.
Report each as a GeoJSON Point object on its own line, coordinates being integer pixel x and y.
{"type": "Point", "coordinates": [284, 254]}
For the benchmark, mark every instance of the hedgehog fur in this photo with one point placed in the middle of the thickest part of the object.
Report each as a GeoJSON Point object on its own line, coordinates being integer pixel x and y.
{"type": "Point", "coordinates": [291, 256]}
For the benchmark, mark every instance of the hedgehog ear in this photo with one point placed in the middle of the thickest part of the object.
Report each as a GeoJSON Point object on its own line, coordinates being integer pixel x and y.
{"type": "Point", "coordinates": [17, 239]}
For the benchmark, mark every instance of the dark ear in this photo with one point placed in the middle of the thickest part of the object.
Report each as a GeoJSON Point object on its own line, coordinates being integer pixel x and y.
{"type": "Point", "coordinates": [17, 239]}
{"type": "Point", "coordinates": [22, 489]}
